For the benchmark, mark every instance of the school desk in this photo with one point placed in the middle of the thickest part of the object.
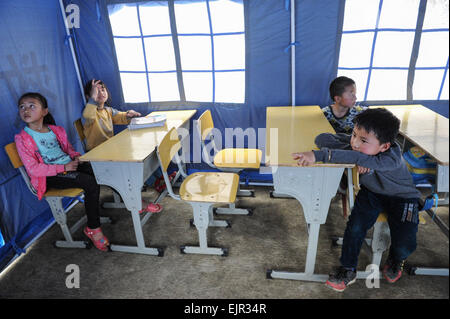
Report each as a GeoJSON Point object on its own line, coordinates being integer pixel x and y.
{"type": "Point", "coordinates": [290, 130]}
{"type": "Point", "coordinates": [428, 130]}
{"type": "Point", "coordinates": [126, 161]}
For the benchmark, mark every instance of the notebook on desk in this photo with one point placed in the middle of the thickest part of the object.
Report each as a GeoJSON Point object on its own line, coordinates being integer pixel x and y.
{"type": "Point", "coordinates": [147, 121]}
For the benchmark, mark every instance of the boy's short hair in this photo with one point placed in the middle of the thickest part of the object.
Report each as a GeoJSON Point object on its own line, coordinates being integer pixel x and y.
{"type": "Point", "coordinates": [338, 85]}
{"type": "Point", "coordinates": [381, 122]}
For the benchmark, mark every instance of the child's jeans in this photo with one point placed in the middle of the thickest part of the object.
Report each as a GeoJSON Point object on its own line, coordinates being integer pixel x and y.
{"type": "Point", "coordinates": [403, 218]}
{"type": "Point", "coordinates": [83, 178]}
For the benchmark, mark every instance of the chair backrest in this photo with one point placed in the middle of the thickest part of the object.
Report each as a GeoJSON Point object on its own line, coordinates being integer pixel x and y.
{"type": "Point", "coordinates": [79, 127]}
{"type": "Point", "coordinates": [355, 176]}
{"type": "Point", "coordinates": [14, 157]}
{"type": "Point", "coordinates": [168, 148]}
{"type": "Point", "coordinates": [206, 124]}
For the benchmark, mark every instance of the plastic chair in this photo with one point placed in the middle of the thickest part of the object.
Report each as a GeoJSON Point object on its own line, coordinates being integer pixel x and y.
{"type": "Point", "coordinates": [228, 160]}
{"type": "Point", "coordinates": [54, 198]}
{"type": "Point", "coordinates": [201, 190]}
{"type": "Point", "coordinates": [80, 130]}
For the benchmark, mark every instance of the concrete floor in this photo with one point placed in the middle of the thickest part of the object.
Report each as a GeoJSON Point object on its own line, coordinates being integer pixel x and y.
{"type": "Point", "coordinates": [275, 237]}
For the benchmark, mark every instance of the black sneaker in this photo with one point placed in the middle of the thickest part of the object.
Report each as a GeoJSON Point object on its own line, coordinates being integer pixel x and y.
{"type": "Point", "coordinates": [340, 279]}
{"type": "Point", "coordinates": [393, 270]}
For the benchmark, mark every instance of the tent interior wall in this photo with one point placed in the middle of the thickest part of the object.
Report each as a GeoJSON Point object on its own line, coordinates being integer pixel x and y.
{"type": "Point", "coordinates": [35, 56]}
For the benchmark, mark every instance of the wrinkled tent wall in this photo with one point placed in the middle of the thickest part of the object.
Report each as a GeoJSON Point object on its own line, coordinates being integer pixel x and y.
{"type": "Point", "coordinates": [268, 75]}
{"type": "Point", "coordinates": [34, 56]}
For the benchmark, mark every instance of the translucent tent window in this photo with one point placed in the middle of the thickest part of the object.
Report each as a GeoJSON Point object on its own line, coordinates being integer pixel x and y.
{"type": "Point", "coordinates": [377, 49]}
{"type": "Point", "coordinates": [210, 46]}
{"type": "Point", "coordinates": [212, 42]}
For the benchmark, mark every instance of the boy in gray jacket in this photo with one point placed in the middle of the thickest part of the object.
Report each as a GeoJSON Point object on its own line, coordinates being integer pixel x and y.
{"type": "Point", "coordinates": [386, 185]}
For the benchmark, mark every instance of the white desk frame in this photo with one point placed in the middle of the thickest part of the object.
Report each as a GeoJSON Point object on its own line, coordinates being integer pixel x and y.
{"type": "Point", "coordinates": [127, 179]}
{"type": "Point", "coordinates": [314, 186]}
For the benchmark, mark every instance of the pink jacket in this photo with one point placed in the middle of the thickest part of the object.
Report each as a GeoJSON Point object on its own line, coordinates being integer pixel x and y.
{"type": "Point", "coordinates": [33, 162]}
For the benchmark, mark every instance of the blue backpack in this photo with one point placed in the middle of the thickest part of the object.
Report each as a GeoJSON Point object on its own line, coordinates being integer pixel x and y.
{"type": "Point", "coordinates": [420, 165]}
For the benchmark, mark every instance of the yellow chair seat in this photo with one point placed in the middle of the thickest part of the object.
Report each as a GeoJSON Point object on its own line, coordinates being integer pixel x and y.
{"type": "Point", "coordinates": [383, 218]}
{"type": "Point", "coordinates": [210, 187]}
{"type": "Point", "coordinates": [68, 192]}
{"type": "Point", "coordinates": [238, 158]}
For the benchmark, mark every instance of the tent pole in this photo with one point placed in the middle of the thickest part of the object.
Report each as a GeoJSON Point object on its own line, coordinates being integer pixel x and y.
{"type": "Point", "coordinates": [292, 52]}
{"type": "Point", "coordinates": [75, 63]}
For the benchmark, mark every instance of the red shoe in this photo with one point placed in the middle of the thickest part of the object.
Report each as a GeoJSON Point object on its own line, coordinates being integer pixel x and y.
{"type": "Point", "coordinates": [151, 208]}
{"type": "Point", "coordinates": [102, 243]}
{"type": "Point", "coordinates": [392, 271]}
{"type": "Point", "coordinates": [160, 184]}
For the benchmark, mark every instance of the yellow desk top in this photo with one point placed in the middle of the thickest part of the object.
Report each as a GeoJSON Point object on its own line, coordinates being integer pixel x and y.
{"type": "Point", "coordinates": [424, 128]}
{"type": "Point", "coordinates": [136, 145]}
{"type": "Point", "coordinates": [297, 128]}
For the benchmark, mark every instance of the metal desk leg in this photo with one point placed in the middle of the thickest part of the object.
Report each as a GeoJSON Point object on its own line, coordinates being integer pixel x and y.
{"type": "Point", "coordinates": [117, 203]}
{"type": "Point", "coordinates": [315, 187]}
{"type": "Point", "coordinates": [428, 271]}
{"type": "Point", "coordinates": [310, 261]}
{"type": "Point", "coordinates": [127, 179]}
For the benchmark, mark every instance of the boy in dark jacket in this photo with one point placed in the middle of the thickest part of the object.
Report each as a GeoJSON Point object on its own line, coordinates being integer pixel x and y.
{"type": "Point", "coordinates": [386, 185]}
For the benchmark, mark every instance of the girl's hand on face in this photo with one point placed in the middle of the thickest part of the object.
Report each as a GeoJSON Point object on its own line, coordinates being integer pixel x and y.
{"type": "Point", "coordinates": [71, 166]}
{"type": "Point", "coordinates": [132, 113]}
{"type": "Point", "coordinates": [94, 89]}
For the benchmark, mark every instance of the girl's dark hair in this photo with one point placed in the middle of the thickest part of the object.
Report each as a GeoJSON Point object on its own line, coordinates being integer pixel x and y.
{"type": "Point", "coordinates": [381, 122]}
{"type": "Point", "coordinates": [48, 119]}
{"type": "Point", "coordinates": [338, 85]}
{"type": "Point", "coordinates": [88, 88]}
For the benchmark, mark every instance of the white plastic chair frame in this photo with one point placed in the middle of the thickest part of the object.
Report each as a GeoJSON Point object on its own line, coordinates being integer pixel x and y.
{"type": "Point", "coordinates": [202, 210]}
{"type": "Point", "coordinates": [54, 199]}
{"type": "Point", "coordinates": [208, 134]}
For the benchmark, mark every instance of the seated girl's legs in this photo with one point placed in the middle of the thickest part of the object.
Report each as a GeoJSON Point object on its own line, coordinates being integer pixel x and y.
{"type": "Point", "coordinates": [152, 179]}
{"type": "Point", "coordinates": [82, 178]}
{"type": "Point", "coordinates": [403, 219]}
{"type": "Point", "coordinates": [362, 218]}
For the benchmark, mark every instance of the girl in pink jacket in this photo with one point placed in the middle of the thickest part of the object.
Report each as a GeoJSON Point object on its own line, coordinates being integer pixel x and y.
{"type": "Point", "coordinates": [51, 161]}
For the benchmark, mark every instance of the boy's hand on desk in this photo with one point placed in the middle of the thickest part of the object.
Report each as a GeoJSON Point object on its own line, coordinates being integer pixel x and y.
{"type": "Point", "coordinates": [363, 170]}
{"type": "Point", "coordinates": [304, 158]}
{"type": "Point", "coordinates": [132, 113]}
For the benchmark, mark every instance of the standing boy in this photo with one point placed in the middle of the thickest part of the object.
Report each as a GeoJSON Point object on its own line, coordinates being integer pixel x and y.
{"type": "Point", "coordinates": [386, 185]}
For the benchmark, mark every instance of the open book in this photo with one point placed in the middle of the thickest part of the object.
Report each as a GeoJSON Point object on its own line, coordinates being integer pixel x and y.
{"type": "Point", "coordinates": [147, 121]}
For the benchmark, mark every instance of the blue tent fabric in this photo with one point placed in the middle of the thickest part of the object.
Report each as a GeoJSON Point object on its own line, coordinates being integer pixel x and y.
{"type": "Point", "coordinates": [35, 56]}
